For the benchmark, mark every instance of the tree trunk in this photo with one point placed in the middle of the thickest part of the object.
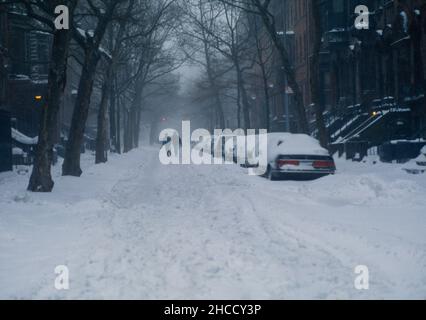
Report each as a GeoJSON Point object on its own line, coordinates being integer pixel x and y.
{"type": "Point", "coordinates": [213, 85]}
{"type": "Point", "coordinates": [262, 64]}
{"type": "Point", "coordinates": [101, 136]}
{"type": "Point", "coordinates": [109, 91]}
{"type": "Point", "coordinates": [113, 118]}
{"type": "Point", "coordinates": [302, 121]}
{"type": "Point", "coordinates": [267, 101]}
{"type": "Point", "coordinates": [118, 131]}
{"type": "Point", "coordinates": [41, 178]}
{"type": "Point", "coordinates": [218, 116]}
{"type": "Point", "coordinates": [137, 127]}
{"type": "Point", "coordinates": [244, 96]}
{"type": "Point", "coordinates": [71, 165]}
{"type": "Point", "coordinates": [153, 136]}
{"type": "Point", "coordinates": [133, 123]}
{"type": "Point", "coordinates": [315, 77]}
{"type": "Point", "coordinates": [219, 108]}
{"type": "Point", "coordinates": [128, 131]}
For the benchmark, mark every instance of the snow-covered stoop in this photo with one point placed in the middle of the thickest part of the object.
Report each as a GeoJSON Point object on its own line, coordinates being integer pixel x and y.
{"type": "Point", "coordinates": [136, 229]}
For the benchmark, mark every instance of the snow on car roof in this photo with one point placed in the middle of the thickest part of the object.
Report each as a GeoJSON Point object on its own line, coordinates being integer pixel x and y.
{"type": "Point", "coordinates": [289, 143]}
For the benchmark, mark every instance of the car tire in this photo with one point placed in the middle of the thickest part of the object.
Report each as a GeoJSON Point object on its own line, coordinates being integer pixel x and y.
{"type": "Point", "coordinates": [270, 174]}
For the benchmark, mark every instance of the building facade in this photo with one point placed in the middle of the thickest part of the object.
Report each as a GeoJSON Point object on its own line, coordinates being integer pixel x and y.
{"type": "Point", "coordinates": [293, 23]}
{"type": "Point", "coordinates": [372, 80]}
{"type": "Point", "coordinates": [24, 57]}
{"type": "Point", "coordinates": [375, 70]}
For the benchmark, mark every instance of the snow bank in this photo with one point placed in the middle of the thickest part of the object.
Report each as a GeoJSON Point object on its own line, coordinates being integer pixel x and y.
{"type": "Point", "coordinates": [364, 190]}
{"type": "Point", "coordinates": [135, 229]}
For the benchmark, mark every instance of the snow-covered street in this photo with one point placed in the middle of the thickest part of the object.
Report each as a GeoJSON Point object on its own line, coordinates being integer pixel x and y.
{"type": "Point", "coordinates": [134, 228]}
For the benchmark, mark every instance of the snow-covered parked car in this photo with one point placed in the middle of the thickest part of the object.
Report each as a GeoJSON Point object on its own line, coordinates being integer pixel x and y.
{"type": "Point", "coordinates": [418, 165]}
{"type": "Point", "coordinates": [297, 157]}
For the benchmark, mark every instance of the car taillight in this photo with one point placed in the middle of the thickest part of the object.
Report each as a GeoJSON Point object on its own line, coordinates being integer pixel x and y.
{"type": "Point", "coordinates": [321, 164]}
{"type": "Point", "coordinates": [282, 163]}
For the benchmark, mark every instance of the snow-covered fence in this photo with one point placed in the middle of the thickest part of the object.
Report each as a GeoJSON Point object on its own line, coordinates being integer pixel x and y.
{"type": "Point", "coordinates": [23, 147]}
{"type": "Point", "coordinates": [353, 150]}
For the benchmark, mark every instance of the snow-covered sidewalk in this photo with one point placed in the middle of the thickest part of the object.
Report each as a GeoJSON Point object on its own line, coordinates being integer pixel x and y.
{"type": "Point", "coordinates": [133, 228]}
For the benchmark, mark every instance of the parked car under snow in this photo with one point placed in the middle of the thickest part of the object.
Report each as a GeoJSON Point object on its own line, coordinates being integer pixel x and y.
{"type": "Point", "coordinates": [418, 165]}
{"type": "Point", "coordinates": [297, 157]}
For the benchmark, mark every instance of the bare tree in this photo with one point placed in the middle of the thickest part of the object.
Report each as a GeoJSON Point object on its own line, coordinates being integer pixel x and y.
{"type": "Point", "coordinates": [236, 47]}
{"type": "Point", "coordinates": [151, 62]}
{"type": "Point", "coordinates": [264, 53]}
{"type": "Point", "coordinates": [90, 42]}
{"type": "Point", "coordinates": [263, 8]}
{"type": "Point", "coordinates": [114, 58]}
{"type": "Point", "coordinates": [43, 11]}
{"type": "Point", "coordinates": [220, 33]}
{"type": "Point", "coordinates": [198, 30]}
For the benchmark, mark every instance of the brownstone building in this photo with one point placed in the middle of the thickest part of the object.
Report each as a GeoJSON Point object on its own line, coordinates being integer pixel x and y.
{"type": "Point", "coordinates": [372, 80]}
{"type": "Point", "coordinates": [292, 23]}
{"type": "Point", "coordinates": [377, 70]}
